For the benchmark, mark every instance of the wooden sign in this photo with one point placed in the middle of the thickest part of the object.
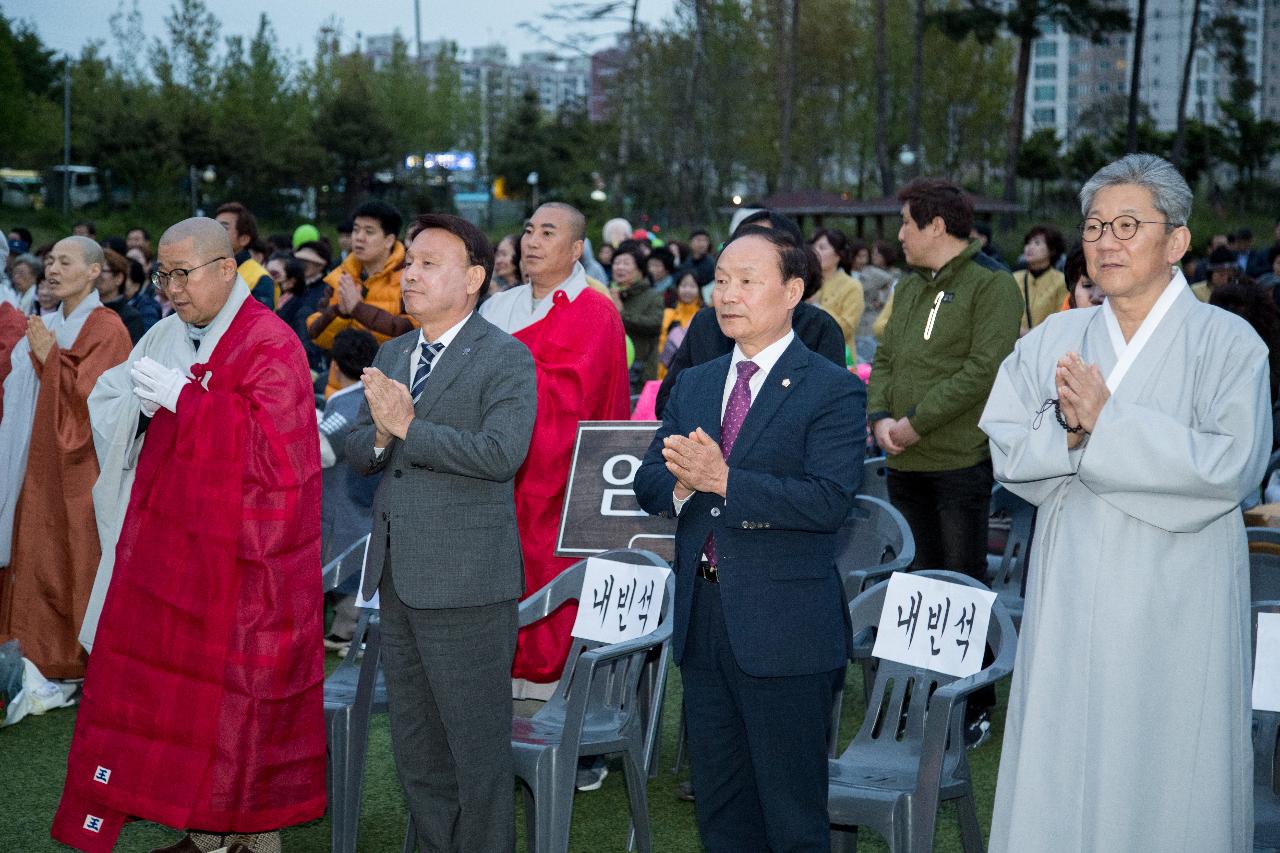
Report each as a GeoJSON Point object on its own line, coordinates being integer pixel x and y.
{"type": "Point", "coordinates": [600, 510]}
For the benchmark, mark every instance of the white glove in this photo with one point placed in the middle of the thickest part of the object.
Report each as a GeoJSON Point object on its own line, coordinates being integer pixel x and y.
{"type": "Point", "coordinates": [156, 384]}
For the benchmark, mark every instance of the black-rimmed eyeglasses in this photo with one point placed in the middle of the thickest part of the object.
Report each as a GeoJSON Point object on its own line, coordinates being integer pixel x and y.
{"type": "Point", "coordinates": [178, 278]}
{"type": "Point", "coordinates": [1123, 227]}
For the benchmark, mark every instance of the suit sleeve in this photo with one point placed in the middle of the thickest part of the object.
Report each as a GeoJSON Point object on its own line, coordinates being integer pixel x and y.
{"type": "Point", "coordinates": [498, 449]}
{"type": "Point", "coordinates": [820, 500]}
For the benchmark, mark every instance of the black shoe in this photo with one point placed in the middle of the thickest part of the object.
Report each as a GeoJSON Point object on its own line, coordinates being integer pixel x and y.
{"type": "Point", "coordinates": [684, 791]}
{"type": "Point", "coordinates": [977, 730]}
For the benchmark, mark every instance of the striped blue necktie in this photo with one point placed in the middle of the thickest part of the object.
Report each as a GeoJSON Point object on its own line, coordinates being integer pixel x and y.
{"type": "Point", "coordinates": [428, 355]}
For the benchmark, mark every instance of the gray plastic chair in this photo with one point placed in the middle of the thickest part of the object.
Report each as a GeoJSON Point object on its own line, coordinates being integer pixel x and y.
{"type": "Point", "coordinates": [352, 694]}
{"type": "Point", "coordinates": [1266, 766]}
{"type": "Point", "coordinates": [1007, 573]}
{"type": "Point", "coordinates": [1264, 568]}
{"type": "Point", "coordinates": [909, 754]}
{"type": "Point", "coordinates": [875, 478]}
{"type": "Point", "coordinates": [874, 542]}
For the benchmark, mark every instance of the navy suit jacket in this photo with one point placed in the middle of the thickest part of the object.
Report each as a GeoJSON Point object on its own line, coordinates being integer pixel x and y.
{"type": "Point", "coordinates": [793, 474]}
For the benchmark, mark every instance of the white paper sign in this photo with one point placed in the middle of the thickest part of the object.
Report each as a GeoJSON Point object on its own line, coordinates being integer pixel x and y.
{"type": "Point", "coordinates": [1266, 664]}
{"type": "Point", "coordinates": [934, 624]}
{"type": "Point", "coordinates": [619, 601]}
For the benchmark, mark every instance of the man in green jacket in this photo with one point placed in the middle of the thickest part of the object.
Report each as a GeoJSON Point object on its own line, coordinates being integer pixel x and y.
{"type": "Point", "coordinates": [954, 320]}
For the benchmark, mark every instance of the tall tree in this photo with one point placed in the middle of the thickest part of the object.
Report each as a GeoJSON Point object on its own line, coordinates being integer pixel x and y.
{"type": "Point", "coordinates": [789, 39]}
{"type": "Point", "coordinates": [917, 86]}
{"type": "Point", "coordinates": [883, 163]}
{"type": "Point", "coordinates": [1026, 21]}
{"type": "Point", "coordinates": [1184, 88]}
{"type": "Point", "coordinates": [1135, 76]}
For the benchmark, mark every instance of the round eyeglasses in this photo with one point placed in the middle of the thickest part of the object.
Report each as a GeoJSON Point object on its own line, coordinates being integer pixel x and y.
{"type": "Point", "coordinates": [1123, 227]}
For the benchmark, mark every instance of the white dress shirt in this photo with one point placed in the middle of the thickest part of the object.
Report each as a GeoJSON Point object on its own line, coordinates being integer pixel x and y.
{"type": "Point", "coordinates": [764, 360]}
{"type": "Point", "coordinates": [415, 353]}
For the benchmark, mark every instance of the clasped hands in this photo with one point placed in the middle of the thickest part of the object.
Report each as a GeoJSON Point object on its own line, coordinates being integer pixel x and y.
{"type": "Point", "coordinates": [895, 436]}
{"type": "Point", "coordinates": [390, 406]}
{"type": "Point", "coordinates": [349, 295]}
{"type": "Point", "coordinates": [697, 464]}
{"type": "Point", "coordinates": [40, 338]}
{"type": "Point", "coordinates": [1082, 392]}
{"type": "Point", "coordinates": [156, 386]}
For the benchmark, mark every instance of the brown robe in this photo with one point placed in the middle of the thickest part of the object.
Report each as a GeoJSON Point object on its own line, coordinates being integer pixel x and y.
{"type": "Point", "coordinates": [45, 589]}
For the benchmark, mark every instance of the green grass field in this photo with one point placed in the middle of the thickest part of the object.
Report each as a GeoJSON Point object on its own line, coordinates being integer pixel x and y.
{"type": "Point", "coordinates": [33, 763]}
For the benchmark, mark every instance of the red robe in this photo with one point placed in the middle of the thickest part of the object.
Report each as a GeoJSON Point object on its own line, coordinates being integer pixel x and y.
{"type": "Point", "coordinates": [45, 590]}
{"type": "Point", "coordinates": [13, 328]}
{"type": "Point", "coordinates": [203, 702]}
{"type": "Point", "coordinates": [579, 350]}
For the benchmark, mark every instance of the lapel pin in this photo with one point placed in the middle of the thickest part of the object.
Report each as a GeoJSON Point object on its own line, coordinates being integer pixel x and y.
{"type": "Point", "coordinates": [467, 350]}
{"type": "Point", "coordinates": [786, 383]}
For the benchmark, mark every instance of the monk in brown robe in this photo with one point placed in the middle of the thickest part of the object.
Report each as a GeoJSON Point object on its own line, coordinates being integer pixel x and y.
{"type": "Point", "coordinates": [48, 537]}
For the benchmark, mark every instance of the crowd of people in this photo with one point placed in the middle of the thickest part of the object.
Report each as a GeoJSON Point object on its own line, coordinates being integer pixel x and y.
{"type": "Point", "coordinates": [189, 430]}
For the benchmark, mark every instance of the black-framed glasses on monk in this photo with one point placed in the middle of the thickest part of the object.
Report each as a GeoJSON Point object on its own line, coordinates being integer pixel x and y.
{"type": "Point", "coordinates": [178, 277]}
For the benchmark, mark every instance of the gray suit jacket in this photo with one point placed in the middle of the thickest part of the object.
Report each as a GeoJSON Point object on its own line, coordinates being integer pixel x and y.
{"type": "Point", "coordinates": [446, 503]}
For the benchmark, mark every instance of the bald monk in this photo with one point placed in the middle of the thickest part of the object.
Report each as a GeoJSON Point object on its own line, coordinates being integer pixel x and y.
{"type": "Point", "coordinates": [203, 704]}
{"type": "Point", "coordinates": [47, 463]}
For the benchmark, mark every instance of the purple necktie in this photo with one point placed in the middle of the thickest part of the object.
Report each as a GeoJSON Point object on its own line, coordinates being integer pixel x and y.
{"type": "Point", "coordinates": [735, 412]}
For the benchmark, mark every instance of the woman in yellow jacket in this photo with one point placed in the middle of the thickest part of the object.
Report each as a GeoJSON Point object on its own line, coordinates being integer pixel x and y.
{"type": "Point", "coordinates": [1041, 283]}
{"type": "Point", "coordinates": [688, 301]}
{"type": "Point", "coordinates": [841, 293]}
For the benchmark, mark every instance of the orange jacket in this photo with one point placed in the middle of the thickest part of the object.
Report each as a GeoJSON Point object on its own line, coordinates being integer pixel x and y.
{"type": "Point", "coordinates": [381, 312]}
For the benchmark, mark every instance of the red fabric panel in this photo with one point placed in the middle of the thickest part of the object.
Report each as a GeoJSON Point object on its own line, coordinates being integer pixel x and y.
{"type": "Point", "coordinates": [581, 359]}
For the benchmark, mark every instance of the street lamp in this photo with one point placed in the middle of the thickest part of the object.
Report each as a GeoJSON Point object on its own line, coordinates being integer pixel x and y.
{"type": "Point", "coordinates": [194, 176]}
{"type": "Point", "coordinates": [533, 190]}
{"type": "Point", "coordinates": [907, 157]}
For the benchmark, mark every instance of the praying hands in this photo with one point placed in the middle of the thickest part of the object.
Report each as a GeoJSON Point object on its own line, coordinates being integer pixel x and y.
{"type": "Point", "coordinates": [697, 463]}
{"type": "Point", "coordinates": [40, 338]}
{"type": "Point", "coordinates": [1082, 392]}
{"type": "Point", "coordinates": [390, 406]}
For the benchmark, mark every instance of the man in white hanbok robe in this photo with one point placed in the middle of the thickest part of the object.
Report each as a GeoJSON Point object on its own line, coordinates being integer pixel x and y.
{"type": "Point", "coordinates": [1128, 724]}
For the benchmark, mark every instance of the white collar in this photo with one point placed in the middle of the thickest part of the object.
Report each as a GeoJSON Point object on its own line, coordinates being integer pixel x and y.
{"type": "Point", "coordinates": [765, 359]}
{"type": "Point", "coordinates": [572, 286]}
{"type": "Point", "coordinates": [447, 338]}
{"type": "Point", "coordinates": [1127, 352]}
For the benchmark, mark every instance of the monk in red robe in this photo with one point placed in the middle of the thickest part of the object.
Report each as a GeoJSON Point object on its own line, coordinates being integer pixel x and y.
{"type": "Point", "coordinates": [48, 464]}
{"type": "Point", "coordinates": [203, 701]}
{"type": "Point", "coordinates": [579, 350]}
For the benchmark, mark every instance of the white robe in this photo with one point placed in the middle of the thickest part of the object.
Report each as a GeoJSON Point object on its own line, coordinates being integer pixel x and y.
{"type": "Point", "coordinates": [1129, 717]}
{"type": "Point", "coordinates": [114, 413]}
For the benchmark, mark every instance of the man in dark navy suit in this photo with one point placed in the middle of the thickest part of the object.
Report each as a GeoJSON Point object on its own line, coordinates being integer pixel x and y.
{"type": "Point", "coordinates": [759, 455]}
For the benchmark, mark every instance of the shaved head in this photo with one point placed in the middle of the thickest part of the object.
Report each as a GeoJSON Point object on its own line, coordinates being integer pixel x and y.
{"type": "Point", "coordinates": [206, 235]}
{"type": "Point", "coordinates": [88, 249]}
{"type": "Point", "coordinates": [577, 222]}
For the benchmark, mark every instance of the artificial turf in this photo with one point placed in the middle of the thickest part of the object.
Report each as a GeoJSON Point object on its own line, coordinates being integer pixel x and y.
{"type": "Point", "coordinates": [33, 764]}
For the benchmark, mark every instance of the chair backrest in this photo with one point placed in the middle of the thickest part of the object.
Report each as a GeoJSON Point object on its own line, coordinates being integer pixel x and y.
{"type": "Point", "coordinates": [1264, 563]}
{"type": "Point", "coordinates": [615, 689]}
{"type": "Point", "coordinates": [343, 566]}
{"type": "Point", "coordinates": [1021, 517]}
{"type": "Point", "coordinates": [875, 478]}
{"type": "Point", "coordinates": [897, 710]}
{"type": "Point", "coordinates": [1266, 724]}
{"type": "Point", "coordinates": [874, 542]}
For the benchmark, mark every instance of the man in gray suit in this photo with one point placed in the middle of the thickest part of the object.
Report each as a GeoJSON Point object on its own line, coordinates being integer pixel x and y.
{"type": "Point", "coordinates": [448, 415]}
